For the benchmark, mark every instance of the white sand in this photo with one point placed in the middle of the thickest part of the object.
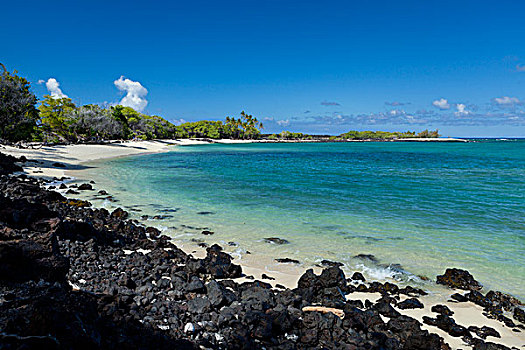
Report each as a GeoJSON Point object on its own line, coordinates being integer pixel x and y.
{"type": "Point", "coordinates": [431, 139]}
{"type": "Point", "coordinates": [72, 156]}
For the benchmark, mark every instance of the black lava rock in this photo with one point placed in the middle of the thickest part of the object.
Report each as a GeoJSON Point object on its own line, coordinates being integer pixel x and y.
{"type": "Point", "coordinates": [459, 279]}
{"type": "Point", "coordinates": [85, 187]}
{"type": "Point", "coordinates": [442, 309]}
{"type": "Point", "coordinates": [276, 240]}
{"type": "Point", "coordinates": [411, 303]}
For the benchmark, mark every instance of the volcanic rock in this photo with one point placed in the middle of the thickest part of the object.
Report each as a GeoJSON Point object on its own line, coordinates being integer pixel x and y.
{"type": "Point", "coordinates": [276, 240]}
{"type": "Point", "coordinates": [459, 279]}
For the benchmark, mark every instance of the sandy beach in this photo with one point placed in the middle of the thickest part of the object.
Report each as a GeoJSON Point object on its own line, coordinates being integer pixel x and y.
{"type": "Point", "coordinates": [59, 161]}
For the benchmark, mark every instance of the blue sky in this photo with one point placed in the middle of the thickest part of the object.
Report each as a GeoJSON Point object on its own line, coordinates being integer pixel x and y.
{"type": "Point", "coordinates": [311, 66]}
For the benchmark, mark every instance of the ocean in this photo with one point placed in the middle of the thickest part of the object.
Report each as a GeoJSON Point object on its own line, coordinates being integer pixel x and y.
{"type": "Point", "coordinates": [418, 208]}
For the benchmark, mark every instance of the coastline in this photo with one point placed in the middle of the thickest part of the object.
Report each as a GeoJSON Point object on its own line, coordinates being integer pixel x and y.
{"type": "Point", "coordinates": [73, 157]}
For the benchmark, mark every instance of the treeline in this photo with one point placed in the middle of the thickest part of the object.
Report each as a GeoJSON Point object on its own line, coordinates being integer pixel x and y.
{"type": "Point", "coordinates": [60, 120]}
{"type": "Point", "coordinates": [355, 135]}
{"type": "Point", "coordinates": [245, 127]}
{"type": "Point", "coordinates": [288, 135]}
{"type": "Point", "coordinates": [384, 135]}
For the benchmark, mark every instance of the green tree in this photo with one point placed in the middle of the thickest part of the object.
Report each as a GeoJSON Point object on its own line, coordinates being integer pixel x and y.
{"type": "Point", "coordinates": [18, 113]}
{"type": "Point", "coordinates": [56, 116]}
{"type": "Point", "coordinates": [94, 123]}
{"type": "Point", "coordinates": [246, 127]}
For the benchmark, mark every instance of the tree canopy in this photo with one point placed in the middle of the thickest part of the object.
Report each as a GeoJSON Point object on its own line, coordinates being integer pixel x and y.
{"type": "Point", "coordinates": [18, 113]}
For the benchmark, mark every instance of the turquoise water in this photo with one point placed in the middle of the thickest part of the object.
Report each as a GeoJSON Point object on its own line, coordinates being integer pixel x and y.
{"type": "Point", "coordinates": [417, 207]}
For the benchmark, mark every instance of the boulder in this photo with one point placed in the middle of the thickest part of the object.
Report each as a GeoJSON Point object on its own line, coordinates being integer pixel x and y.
{"type": "Point", "coordinates": [358, 276]}
{"type": "Point", "coordinates": [442, 309]}
{"type": "Point", "coordinates": [120, 213]}
{"type": "Point", "coordinates": [219, 264]}
{"type": "Point", "coordinates": [411, 303]}
{"type": "Point", "coordinates": [85, 187]}
{"type": "Point", "coordinates": [459, 279]}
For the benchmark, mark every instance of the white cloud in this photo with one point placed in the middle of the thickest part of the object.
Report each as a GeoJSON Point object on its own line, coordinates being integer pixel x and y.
{"type": "Point", "coordinates": [441, 104]}
{"type": "Point", "coordinates": [461, 110]}
{"type": "Point", "coordinates": [505, 100]}
{"type": "Point", "coordinates": [53, 86]}
{"type": "Point", "coordinates": [396, 112]}
{"type": "Point", "coordinates": [135, 93]}
{"type": "Point", "coordinates": [283, 122]}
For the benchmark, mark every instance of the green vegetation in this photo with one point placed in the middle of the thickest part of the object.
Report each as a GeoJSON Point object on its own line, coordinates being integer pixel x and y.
{"type": "Point", "coordinates": [245, 127]}
{"type": "Point", "coordinates": [60, 120]}
{"type": "Point", "coordinates": [383, 135]}
{"type": "Point", "coordinates": [18, 113]}
{"type": "Point", "coordinates": [287, 135]}
{"type": "Point", "coordinates": [355, 135]}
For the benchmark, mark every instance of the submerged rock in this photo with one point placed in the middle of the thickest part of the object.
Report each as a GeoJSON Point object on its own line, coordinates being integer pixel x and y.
{"type": "Point", "coordinates": [331, 263]}
{"type": "Point", "coordinates": [276, 240]}
{"type": "Point", "coordinates": [287, 261]}
{"type": "Point", "coordinates": [366, 257]}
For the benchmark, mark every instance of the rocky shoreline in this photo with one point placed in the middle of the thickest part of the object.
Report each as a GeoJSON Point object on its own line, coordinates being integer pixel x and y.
{"type": "Point", "coordinates": [76, 277]}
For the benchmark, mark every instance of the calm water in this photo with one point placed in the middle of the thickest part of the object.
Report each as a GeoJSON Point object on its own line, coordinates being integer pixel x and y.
{"type": "Point", "coordinates": [417, 207]}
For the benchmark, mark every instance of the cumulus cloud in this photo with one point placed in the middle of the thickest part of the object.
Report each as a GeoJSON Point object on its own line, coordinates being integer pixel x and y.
{"type": "Point", "coordinates": [441, 104]}
{"type": "Point", "coordinates": [53, 86]}
{"type": "Point", "coordinates": [283, 123]}
{"type": "Point", "coordinates": [328, 103]}
{"type": "Point", "coordinates": [395, 112]}
{"type": "Point", "coordinates": [507, 101]}
{"type": "Point", "coordinates": [461, 110]}
{"type": "Point", "coordinates": [135, 93]}
{"type": "Point", "coordinates": [520, 68]}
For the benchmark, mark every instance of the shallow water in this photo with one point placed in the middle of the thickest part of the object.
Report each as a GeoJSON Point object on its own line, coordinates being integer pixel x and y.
{"type": "Point", "coordinates": [417, 207]}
